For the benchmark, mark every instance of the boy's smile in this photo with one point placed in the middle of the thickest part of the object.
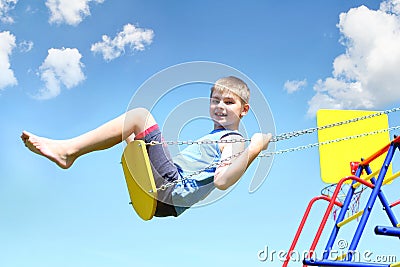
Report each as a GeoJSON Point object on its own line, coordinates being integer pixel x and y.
{"type": "Point", "coordinates": [226, 110]}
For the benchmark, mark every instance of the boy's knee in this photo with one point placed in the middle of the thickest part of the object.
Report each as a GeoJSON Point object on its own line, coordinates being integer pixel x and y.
{"type": "Point", "coordinates": [141, 119]}
{"type": "Point", "coordinates": [141, 110]}
{"type": "Point", "coordinates": [139, 113]}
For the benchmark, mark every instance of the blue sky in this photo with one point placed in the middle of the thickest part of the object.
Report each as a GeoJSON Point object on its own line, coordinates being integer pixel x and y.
{"type": "Point", "coordinates": [68, 66]}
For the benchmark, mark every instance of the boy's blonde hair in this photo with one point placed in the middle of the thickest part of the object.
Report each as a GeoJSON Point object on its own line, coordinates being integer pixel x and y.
{"type": "Point", "coordinates": [233, 85]}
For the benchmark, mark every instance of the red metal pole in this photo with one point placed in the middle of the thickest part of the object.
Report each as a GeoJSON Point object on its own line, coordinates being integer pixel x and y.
{"type": "Point", "coordinates": [302, 223]}
{"type": "Point", "coordinates": [397, 202]}
{"type": "Point", "coordinates": [379, 152]}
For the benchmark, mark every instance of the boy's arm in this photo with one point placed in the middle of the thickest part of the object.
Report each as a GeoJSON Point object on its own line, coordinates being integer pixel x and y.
{"type": "Point", "coordinates": [230, 172]}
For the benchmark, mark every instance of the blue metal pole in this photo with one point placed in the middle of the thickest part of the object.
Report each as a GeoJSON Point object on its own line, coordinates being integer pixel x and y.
{"type": "Point", "coordinates": [385, 203]}
{"type": "Point", "coordinates": [384, 230]}
{"type": "Point", "coordinates": [371, 201]}
{"type": "Point", "coordinates": [312, 262]}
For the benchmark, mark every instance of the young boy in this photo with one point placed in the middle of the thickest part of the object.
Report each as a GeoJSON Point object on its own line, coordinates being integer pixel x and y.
{"type": "Point", "coordinates": [229, 102]}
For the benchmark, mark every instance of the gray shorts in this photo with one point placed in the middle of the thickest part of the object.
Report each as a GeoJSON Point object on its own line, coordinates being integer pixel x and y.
{"type": "Point", "coordinates": [164, 170]}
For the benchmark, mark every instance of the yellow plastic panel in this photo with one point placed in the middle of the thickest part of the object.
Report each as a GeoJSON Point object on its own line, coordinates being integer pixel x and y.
{"type": "Point", "coordinates": [335, 158]}
{"type": "Point", "coordinates": [139, 179]}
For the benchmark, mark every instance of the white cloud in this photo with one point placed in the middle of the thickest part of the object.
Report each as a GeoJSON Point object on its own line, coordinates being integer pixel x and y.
{"type": "Point", "coordinates": [71, 12]}
{"type": "Point", "coordinates": [294, 86]}
{"type": "Point", "coordinates": [5, 7]}
{"type": "Point", "coordinates": [131, 36]}
{"type": "Point", "coordinates": [25, 46]}
{"type": "Point", "coordinates": [61, 67]}
{"type": "Point", "coordinates": [391, 6]}
{"type": "Point", "coordinates": [366, 75]}
{"type": "Point", "coordinates": [30, 10]}
{"type": "Point", "coordinates": [7, 44]}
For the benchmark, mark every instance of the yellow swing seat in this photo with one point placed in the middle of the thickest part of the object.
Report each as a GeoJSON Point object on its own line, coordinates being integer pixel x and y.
{"type": "Point", "coordinates": [139, 179]}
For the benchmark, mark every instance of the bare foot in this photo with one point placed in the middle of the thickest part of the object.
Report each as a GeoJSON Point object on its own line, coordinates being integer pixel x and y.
{"type": "Point", "coordinates": [54, 150]}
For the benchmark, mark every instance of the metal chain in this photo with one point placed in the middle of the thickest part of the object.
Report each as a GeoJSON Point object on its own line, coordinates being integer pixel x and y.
{"type": "Point", "coordinates": [270, 154]}
{"type": "Point", "coordinates": [277, 138]}
{"type": "Point", "coordinates": [202, 142]}
{"type": "Point", "coordinates": [289, 135]}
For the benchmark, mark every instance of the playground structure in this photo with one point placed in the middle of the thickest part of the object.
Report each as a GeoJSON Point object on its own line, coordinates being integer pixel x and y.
{"type": "Point", "coordinates": [374, 180]}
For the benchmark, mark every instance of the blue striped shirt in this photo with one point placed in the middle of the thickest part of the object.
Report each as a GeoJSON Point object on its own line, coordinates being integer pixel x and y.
{"type": "Point", "coordinates": [191, 159]}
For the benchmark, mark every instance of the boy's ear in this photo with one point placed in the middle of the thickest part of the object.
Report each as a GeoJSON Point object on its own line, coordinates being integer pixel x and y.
{"type": "Point", "coordinates": [245, 110]}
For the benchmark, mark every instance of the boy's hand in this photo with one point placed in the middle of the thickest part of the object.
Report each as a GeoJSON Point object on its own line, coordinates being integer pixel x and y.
{"type": "Point", "coordinates": [228, 174]}
{"type": "Point", "coordinates": [260, 141]}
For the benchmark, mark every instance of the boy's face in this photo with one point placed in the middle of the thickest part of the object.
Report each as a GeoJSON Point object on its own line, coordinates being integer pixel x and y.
{"type": "Point", "coordinates": [226, 110]}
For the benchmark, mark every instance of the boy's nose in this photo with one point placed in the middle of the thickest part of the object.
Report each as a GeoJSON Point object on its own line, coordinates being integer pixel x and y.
{"type": "Point", "coordinates": [221, 104]}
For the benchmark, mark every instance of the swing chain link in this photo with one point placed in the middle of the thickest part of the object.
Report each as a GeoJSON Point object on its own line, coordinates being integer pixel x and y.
{"type": "Point", "coordinates": [277, 138]}
{"type": "Point", "coordinates": [270, 154]}
{"type": "Point", "coordinates": [289, 135]}
{"type": "Point", "coordinates": [200, 142]}
{"type": "Point", "coordinates": [280, 137]}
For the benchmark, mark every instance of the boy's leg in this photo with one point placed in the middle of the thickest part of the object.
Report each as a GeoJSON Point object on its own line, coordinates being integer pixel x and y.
{"type": "Point", "coordinates": [65, 152]}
